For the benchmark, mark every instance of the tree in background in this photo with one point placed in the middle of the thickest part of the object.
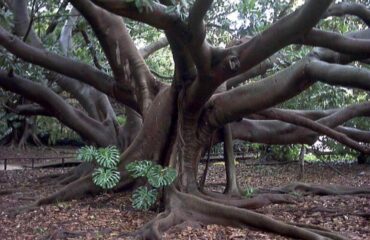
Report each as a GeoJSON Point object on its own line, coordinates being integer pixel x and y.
{"type": "Point", "coordinates": [206, 101]}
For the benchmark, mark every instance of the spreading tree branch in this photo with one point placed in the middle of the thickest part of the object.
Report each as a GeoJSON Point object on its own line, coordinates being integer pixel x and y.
{"type": "Point", "coordinates": [120, 50]}
{"type": "Point", "coordinates": [345, 8]}
{"type": "Point", "coordinates": [56, 105]}
{"type": "Point", "coordinates": [29, 110]}
{"type": "Point", "coordinates": [146, 51]}
{"type": "Point", "coordinates": [337, 42]}
{"type": "Point", "coordinates": [317, 127]}
{"type": "Point", "coordinates": [158, 16]}
{"type": "Point", "coordinates": [340, 75]}
{"type": "Point", "coordinates": [281, 132]}
{"type": "Point", "coordinates": [238, 59]}
{"type": "Point", "coordinates": [258, 70]}
{"type": "Point", "coordinates": [87, 96]}
{"type": "Point", "coordinates": [68, 67]}
{"type": "Point", "coordinates": [251, 98]}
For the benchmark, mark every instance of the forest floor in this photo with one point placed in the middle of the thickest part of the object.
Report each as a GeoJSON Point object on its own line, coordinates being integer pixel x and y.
{"type": "Point", "coordinates": [109, 215]}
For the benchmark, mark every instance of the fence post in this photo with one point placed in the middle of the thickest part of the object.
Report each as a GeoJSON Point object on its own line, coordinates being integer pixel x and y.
{"type": "Point", "coordinates": [63, 162]}
{"type": "Point", "coordinates": [33, 162]}
{"type": "Point", "coordinates": [5, 163]}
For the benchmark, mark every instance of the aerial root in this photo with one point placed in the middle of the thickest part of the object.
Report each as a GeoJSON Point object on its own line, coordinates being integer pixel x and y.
{"type": "Point", "coordinates": [317, 189]}
{"type": "Point", "coordinates": [185, 207]}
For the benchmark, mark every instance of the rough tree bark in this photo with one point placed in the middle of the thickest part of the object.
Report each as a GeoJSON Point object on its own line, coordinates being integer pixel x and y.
{"type": "Point", "coordinates": [175, 123]}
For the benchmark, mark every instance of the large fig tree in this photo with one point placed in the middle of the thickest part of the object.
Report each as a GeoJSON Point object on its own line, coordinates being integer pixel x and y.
{"type": "Point", "coordinates": [173, 124]}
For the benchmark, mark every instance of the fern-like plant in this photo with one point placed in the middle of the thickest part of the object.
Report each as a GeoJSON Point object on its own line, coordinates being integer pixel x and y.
{"type": "Point", "coordinates": [157, 176]}
{"type": "Point", "coordinates": [106, 175]}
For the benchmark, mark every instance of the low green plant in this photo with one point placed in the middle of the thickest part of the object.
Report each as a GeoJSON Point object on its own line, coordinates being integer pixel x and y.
{"type": "Point", "coordinates": [158, 178]}
{"type": "Point", "coordinates": [249, 192]}
{"type": "Point", "coordinates": [106, 174]}
{"type": "Point", "coordinates": [296, 194]}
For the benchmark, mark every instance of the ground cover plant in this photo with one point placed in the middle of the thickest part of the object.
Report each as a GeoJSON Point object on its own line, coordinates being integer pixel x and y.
{"type": "Point", "coordinates": [219, 79]}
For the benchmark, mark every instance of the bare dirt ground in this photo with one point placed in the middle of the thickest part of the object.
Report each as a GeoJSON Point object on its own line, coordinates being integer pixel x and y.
{"type": "Point", "coordinates": [109, 215]}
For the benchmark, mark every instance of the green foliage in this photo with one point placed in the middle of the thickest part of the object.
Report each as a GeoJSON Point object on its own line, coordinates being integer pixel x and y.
{"type": "Point", "coordinates": [139, 168]}
{"type": "Point", "coordinates": [310, 157]}
{"type": "Point", "coordinates": [121, 119]}
{"type": "Point", "coordinates": [160, 177]}
{"type": "Point", "coordinates": [8, 121]}
{"type": "Point", "coordinates": [107, 157]}
{"type": "Point", "coordinates": [286, 152]}
{"type": "Point", "coordinates": [106, 175]}
{"type": "Point", "coordinates": [106, 178]}
{"type": "Point", "coordinates": [157, 177]}
{"type": "Point", "coordinates": [143, 198]}
{"type": "Point", "coordinates": [87, 153]}
{"type": "Point", "coordinates": [54, 129]}
{"type": "Point", "coordinates": [180, 7]}
{"type": "Point", "coordinates": [249, 192]}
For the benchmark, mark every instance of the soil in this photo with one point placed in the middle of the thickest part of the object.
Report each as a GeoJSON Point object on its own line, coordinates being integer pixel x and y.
{"type": "Point", "coordinates": [109, 215]}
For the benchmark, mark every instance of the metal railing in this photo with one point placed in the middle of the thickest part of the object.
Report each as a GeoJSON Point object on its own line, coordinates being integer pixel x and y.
{"type": "Point", "coordinates": [62, 159]}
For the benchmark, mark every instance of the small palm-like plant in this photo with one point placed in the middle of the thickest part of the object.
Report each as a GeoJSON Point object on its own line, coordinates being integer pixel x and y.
{"type": "Point", "coordinates": [143, 198]}
{"type": "Point", "coordinates": [106, 175]}
{"type": "Point", "coordinates": [157, 176]}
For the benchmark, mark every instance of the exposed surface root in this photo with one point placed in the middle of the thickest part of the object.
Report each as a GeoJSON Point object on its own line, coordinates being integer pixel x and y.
{"type": "Point", "coordinates": [154, 229]}
{"type": "Point", "coordinates": [7, 191]}
{"type": "Point", "coordinates": [320, 230]}
{"type": "Point", "coordinates": [50, 177]}
{"type": "Point", "coordinates": [77, 189]}
{"type": "Point", "coordinates": [80, 188]}
{"type": "Point", "coordinates": [184, 207]}
{"type": "Point", "coordinates": [80, 171]}
{"type": "Point", "coordinates": [13, 212]}
{"type": "Point", "coordinates": [256, 202]}
{"type": "Point", "coordinates": [316, 189]}
{"type": "Point", "coordinates": [62, 234]}
{"type": "Point", "coordinates": [68, 179]}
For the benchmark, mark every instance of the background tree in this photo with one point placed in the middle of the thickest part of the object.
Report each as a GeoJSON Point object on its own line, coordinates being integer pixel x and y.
{"type": "Point", "coordinates": [174, 122]}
